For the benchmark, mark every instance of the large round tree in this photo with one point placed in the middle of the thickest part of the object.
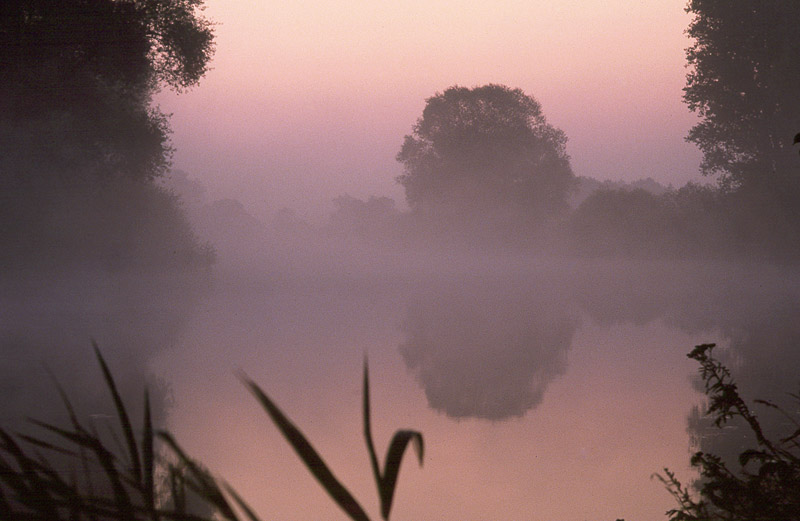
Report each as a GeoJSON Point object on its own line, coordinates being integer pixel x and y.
{"type": "Point", "coordinates": [485, 150]}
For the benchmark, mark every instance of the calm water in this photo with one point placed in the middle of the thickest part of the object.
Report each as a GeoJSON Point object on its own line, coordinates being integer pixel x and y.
{"type": "Point", "coordinates": [545, 389]}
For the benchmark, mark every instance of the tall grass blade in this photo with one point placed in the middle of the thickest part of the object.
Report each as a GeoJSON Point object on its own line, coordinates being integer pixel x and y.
{"type": "Point", "coordinates": [5, 505]}
{"type": "Point", "coordinates": [123, 416]}
{"type": "Point", "coordinates": [202, 482]}
{"type": "Point", "coordinates": [73, 418]}
{"type": "Point", "coordinates": [74, 501]}
{"type": "Point", "coordinates": [8, 474]}
{"type": "Point", "coordinates": [87, 475]}
{"type": "Point", "coordinates": [386, 481]}
{"type": "Point", "coordinates": [792, 436]}
{"type": "Point", "coordinates": [48, 480]}
{"type": "Point", "coordinates": [106, 460]}
{"type": "Point", "coordinates": [309, 455]}
{"type": "Point", "coordinates": [251, 515]}
{"type": "Point", "coordinates": [46, 445]}
{"type": "Point", "coordinates": [29, 486]}
{"type": "Point", "coordinates": [148, 459]}
{"type": "Point", "coordinates": [177, 492]}
{"type": "Point", "coordinates": [394, 456]}
{"type": "Point", "coordinates": [373, 457]}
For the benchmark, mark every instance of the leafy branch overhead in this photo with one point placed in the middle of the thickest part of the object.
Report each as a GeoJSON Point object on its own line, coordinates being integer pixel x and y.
{"type": "Point", "coordinates": [742, 83]}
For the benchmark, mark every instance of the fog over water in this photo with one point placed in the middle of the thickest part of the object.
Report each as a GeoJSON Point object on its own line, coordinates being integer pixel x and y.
{"type": "Point", "coordinates": [523, 272]}
{"type": "Point", "coordinates": [529, 373]}
{"type": "Point", "coordinates": [524, 371]}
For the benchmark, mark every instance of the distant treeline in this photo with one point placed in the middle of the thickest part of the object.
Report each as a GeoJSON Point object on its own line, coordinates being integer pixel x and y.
{"type": "Point", "coordinates": [641, 219]}
{"type": "Point", "coordinates": [484, 169]}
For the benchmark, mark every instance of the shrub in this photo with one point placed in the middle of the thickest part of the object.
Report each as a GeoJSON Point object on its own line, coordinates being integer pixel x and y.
{"type": "Point", "coordinates": [767, 484]}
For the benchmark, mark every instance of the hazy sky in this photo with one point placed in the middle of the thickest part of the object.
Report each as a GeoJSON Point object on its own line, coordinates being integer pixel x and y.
{"type": "Point", "coordinates": [310, 100]}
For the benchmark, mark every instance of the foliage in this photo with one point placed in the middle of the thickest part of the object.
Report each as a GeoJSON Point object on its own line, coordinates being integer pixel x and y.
{"type": "Point", "coordinates": [78, 78]}
{"type": "Point", "coordinates": [767, 486]}
{"type": "Point", "coordinates": [375, 218]}
{"type": "Point", "coordinates": [621, 222]}
{"type": "Point", "coordinates": [34, 487]}
{"type": "Point", "coordinates": [693, 221]}
{"type": "Point", "coordinates": [102, 483]}
{"type": "Point", "coordinates": [77, 124]}
{"type": "Point", "coordinates": [386, 480]}
{"type": "Point", "coordinates": [743, 85]}
{"type": "Point", "coordinates": [482, 150]}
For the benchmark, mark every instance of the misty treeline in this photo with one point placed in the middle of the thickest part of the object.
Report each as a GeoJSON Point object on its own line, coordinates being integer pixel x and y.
{"type": "Point", "coordinates": [484, 170]}
{"type": "Point", "coordinates": [91, 245]}
{"type": "Point", "coordinates": [483, 167]}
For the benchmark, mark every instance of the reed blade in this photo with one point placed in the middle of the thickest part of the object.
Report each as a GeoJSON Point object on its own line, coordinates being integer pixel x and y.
{"type": "Point", "coordinates": [148, 459]}
{"type": "Point", "coordinates": [249, 512]}
{"type": "Point", "coordinates": [46, 445]}
{"type": "Point", "coordinates": [122, 414]}
{"type": "Point", "coordinates": [202, 482]}
{"type": "Point", "coordinates": [312, 460]}
{"type": "Point", "coordinates": [394, 457]}
{"type": "Point", "coordinates": [373, 457]}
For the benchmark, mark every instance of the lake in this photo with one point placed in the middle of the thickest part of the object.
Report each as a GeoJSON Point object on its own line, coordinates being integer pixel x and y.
{"type": "Point", "coordinates": [545, 388]}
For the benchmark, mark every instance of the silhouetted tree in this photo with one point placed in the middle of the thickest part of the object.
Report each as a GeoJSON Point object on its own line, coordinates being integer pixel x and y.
{"type": "Point", "coordinates": [485, 150]}
{"type": "Point", "coordinates": [77, 82]}
{"type": "Point", "coordinates": [81, 141]}
{"type": "Point", "coordinates": [743, 84]}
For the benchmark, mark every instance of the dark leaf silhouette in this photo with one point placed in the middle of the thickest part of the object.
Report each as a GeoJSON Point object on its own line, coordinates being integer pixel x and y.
{"type": "Point", "coordinates": [386, 481]}
{"type": "Point", "coordinates": [309, 455]}
{"type": "Point", "coordinates": [772, 492]}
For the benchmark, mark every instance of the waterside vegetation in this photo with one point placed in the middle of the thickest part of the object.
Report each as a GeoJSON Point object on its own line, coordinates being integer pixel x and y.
{"type": "Point", "coordinates": [77, 473]}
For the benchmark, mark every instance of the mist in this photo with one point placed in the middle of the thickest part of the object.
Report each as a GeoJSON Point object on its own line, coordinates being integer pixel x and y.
{"type": "Point", "coordinates": [522, 281]}
{"type": "Point", "coordinates": [480, 332]}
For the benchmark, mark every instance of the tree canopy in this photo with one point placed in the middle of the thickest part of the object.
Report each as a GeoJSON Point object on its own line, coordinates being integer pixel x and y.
{"type": "Point", "coordinates": [743, 85]}
{"type": "Point", "coordinates": [81, 139]}
{"type": "Point", "coordinates": [78, 76]}
{"type": "Point", "coordinates": [485, 149]}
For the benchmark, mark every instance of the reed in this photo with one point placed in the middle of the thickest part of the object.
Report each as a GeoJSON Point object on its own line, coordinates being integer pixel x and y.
{"type": "Point", "coordinates": [385, 480]}
{"type": "Point", "coordinates": [148, 476]}
{"type": "Point", "coordinates": [102, 483]}
{"type": "Point", "coordinates": [107, 484]}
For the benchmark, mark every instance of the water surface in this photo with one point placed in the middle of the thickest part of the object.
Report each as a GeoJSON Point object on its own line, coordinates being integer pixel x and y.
{"type": "Point", "coordinates": [545, 389]}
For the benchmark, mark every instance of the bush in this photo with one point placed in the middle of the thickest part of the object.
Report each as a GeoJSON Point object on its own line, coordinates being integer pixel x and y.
{"type": "Point", "coordinates": [766, 486]}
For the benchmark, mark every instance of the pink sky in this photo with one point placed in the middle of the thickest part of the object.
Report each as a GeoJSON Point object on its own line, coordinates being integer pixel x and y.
{"type": "Point", "coordinates": [310, 100]}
